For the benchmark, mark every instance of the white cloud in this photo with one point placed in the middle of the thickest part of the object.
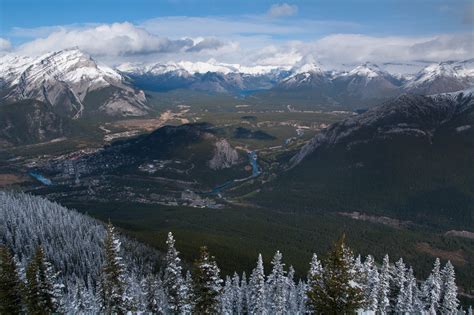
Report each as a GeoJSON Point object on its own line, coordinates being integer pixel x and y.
{"type": "Point", "coordinates": [356, 48]}
{"type": "Point", "coordinates": [284, 9]}
{"type": "Point", "coordinates": [118, 39]}
{"type": "Point", "coordinates": [5, 44]}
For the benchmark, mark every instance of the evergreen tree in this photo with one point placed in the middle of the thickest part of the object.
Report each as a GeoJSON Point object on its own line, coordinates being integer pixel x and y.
{"type": "Point", "coordinates": [42, 289]}
{"type": "Point", "coordinates": [314, 276]}
{"type": "Point", "coordinates": [207, 284]}
{"type": "Point", "coordinates": [372, 285]}
{"type": "Point", "coordinates": [432, 288]}
{"type": "Point", "coordinates": [257, 292]}
{"type": "Point", "coordinates": [449, 300]}
{"type": "Point", "coordinates": [335, 290]}
{"type": "Point", "coordinates": [384, 286]}
{"type": "Point", "coordinates": [227, 297]}
{"type": "Point", "coordinates": [398, 293]}
{"type": "Point", "coordinates": [237, 294]}
{"type": "Point", "coordinates": [150, 289]}
{"type": "Point", "coordinates": [188, 305]}
{"type": "Point", "coordinates": [276, 286]}
{"type": "Point", "coordinates": [406, 299]}
{"type": "Point", "coordinates": [244, 289]}
{"type": "Point", "coordinates": [291, 292]}
{"type": "Point", "coordinates": [10, 284]}
{"type": "Point", "coordinates": [112, 283]}
{"type": "Point", "coordinates": [173, 278]}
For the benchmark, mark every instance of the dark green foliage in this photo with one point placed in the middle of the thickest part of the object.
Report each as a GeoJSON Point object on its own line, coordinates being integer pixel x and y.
{"type": "Point", "coordinates": [10, 285]}
{"type": "Point", "coordinates": [207, 284]}
{"type": "Point", "coordinates": [334, 290]}
{"type": "Point", "coordinates": [112, 283]}
{"type": "Point", "coordinates": [40, 288]}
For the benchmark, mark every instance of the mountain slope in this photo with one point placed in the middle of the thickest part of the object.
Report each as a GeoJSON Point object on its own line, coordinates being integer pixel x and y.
{"type": "Point", "coordinates": [31, 121]}
{"type": "Point", "coordinates": [442, 78]}
{"type": "Point", "coordinates": [411, 158]}
{"type": "Point", "coordinates": [64, 79]}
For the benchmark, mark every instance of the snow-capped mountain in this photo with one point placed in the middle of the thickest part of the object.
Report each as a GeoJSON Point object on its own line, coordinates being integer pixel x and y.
{"type": "Point", "coordinates": [69, 80]}
{"type": "Point", "coordinates": [366, 81]}
{"type": "Point", "coordinates": [443, 77]}
{"type": "Point", "coordinates": [204, 76]}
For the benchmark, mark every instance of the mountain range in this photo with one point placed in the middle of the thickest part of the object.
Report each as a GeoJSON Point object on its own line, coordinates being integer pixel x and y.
{"type": "Point", "coordinates": [363, 83]}
{"type": "Point", "coordinates": [78, 86]}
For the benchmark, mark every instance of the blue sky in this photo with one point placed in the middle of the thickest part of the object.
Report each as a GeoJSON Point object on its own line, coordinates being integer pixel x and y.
{"type": "Point", "coordinates": [155, 29]}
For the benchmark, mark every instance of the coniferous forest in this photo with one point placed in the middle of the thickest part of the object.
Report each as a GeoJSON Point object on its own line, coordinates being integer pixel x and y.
{"type": "Point", "coordinates": [55, 260]}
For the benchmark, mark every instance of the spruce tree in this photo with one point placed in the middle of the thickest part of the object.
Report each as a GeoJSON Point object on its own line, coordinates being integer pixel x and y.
{"type": "Point", "coordinates": [256, 297]}
{"type": "Point", "coordinates": [112, 282]}
{"type": "Point", "coordinates": [372, 286]}
{"type": "Point", "coordinates": [150, 289]}
{"type": "Point", "coordinates": [335, 290]}
{"type": "Point", "coordinates": [237, 294]}
{"type": "Point", "coordinates": [449, 300]}
{"type": "Point", "coordinates": [276, 286]}
{"type": "Point", "coordinates": [207, 284]}
{"type": "Point", "coordinates": [244, 289]}
{"type": "Point", "coordinates": [42, 289]}
{"type": "Point", "coordinates": [432, 288]}
{"type": "Point", "coordinates": [173, 281]}
{"type": "Point", "coordinates": [398, 293]}
{"type": "Point", "coordinates": [385, 279]}
{"type": "Point", "coordinates": [10, 284]}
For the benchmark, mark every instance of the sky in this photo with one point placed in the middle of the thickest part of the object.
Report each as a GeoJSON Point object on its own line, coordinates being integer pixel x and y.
{"type": "Point", "coordinates": [258, 32]}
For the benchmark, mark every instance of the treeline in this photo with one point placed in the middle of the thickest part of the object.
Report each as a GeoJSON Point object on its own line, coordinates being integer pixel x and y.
{"type": "Point", "coordinates": [339, 284]}
{"type": "Point", "coordinates": [54, 260]}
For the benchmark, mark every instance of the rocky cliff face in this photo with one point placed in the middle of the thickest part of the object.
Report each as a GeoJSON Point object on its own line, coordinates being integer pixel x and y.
{"type": "Point", "coordinates": [224, 156]}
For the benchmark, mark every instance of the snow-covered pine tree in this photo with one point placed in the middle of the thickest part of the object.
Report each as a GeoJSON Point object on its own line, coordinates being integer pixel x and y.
{"type": "Point", "coordinates": [43, 292]}
{"type": "Point", "coordinates": [150, 290]}
{"type": "Point", "coordinates": [301, 299]}
{"type": "Point", "coordinates": [244, 292]}
{"type": "Point", "coordinates": [335, 290]}
{"type": "Point", "coordinates": [10, 284]}
{"type": "Point", "coordinates": [227, 297]}
{"type": "Point", "coordinates": [256, 288]}
{"type": "Point", "coordinates": [236, 295]}
{"type": "Point", "coordinates": [276, 286]}
{"type": "Point", "coordinates": [372, 286]}
{"type": "Point", "coordinates": [398, 293]}
{"type": "Point", "coordinates": [385, 278]}
{"type": "Point", "coordinates": [405, 303]}
{"type": "Point", "coordinates": [112, 288]}
{"type": "Point", "coordinates": [449, 300]}
{"type": "Point", "coordinates": [314, 275]}
{"type": "Point", "coordinates": [81, 301]}
{"type": "Point", "coordinates": [188, 293]}
{"type": "Point", "coordinates": [173, 278]}
{"type": "Point", "coordinates": [207, 284]}
{"type": "Point", "coordinates": [431, 289]}
{"type": "Point", "coordinates": [291, 292]}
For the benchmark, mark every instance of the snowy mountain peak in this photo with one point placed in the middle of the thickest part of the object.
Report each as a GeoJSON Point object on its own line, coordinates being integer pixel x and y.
{"type": "Point", "coordinates": [64, 78]}
{"type": "Point", "coordinates": [311, 67]}
{"type": "Point", "coordinates": [367, 69]}
{"type": "Point", "coordinates": [187, 68]}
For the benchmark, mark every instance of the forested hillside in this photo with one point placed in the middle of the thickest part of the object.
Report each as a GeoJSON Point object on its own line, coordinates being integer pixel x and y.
{"type": "Point", "coordinates": [56, 260]}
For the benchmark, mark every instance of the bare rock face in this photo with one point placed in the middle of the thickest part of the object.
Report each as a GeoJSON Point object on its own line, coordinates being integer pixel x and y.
{"type": "Point", "coordinates": [224, 156]}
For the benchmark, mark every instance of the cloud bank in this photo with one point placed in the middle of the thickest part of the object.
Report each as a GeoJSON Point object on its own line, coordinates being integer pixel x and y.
{"type": "Point", "coordinates": [117, 39]}
{"type": "Point", "coordinates": [247, 40]}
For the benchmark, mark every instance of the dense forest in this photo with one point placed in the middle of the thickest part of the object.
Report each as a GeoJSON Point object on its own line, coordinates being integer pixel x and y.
{"type": "Point", "coordinates": [54, 260]}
